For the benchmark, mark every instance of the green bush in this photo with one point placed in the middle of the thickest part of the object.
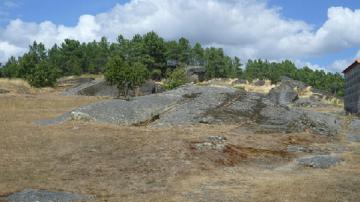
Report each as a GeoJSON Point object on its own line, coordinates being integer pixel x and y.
{"type": "Point", "coordinates": [176, 78]}
{"type": "Point", "coordinates": [43, 75]}
{"type": "Point", "coordinates": [126, 77]}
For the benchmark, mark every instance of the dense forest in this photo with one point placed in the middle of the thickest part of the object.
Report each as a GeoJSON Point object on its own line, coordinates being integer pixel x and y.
{"type": "Point", "coordinates": [149, 55]}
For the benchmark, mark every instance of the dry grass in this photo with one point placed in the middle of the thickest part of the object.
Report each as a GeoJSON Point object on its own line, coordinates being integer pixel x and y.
{"type": "Point", "coordinates": [16, 86]}
{"type": "Point", "coordinates": [20, 86]}
{"type": "Point", "coordinates": [251, 87]}
{"type": "Point", "coordinates": [140, 164]}
{"type": "Point", "coordinates": [248, 86]}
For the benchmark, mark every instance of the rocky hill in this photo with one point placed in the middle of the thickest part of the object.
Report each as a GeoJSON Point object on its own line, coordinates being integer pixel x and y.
{"type": "Point", "coordinates": [193, 104]}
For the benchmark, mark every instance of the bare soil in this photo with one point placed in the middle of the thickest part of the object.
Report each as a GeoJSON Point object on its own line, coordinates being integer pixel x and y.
{"type": "Point", "coordinates": [117, 163]}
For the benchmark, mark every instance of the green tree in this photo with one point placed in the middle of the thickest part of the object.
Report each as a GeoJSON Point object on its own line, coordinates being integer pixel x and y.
{"type": "Point", "coordinates": [184, 51]}
{"type": "Point", "coordinates": [37, 53]}
{"type": "Point", "coordinates": [176, 78]}
{"type": "Point", "coordinates": [11, 68]}
{"type": "Point", "coordinates": [215, 63]}
{"type": "Point", "coordinates": [43, 75]}
{"type": "Point", "coordinates": [125, 76]}
{"type": "Point", "coordinates": [155, 48]}
{"type": "Point", "coordinates": [197, 55]}
{"type": "Point", "coordinates": [72, 58]}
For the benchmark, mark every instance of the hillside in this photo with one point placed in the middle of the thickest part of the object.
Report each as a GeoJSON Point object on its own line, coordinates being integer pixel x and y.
{"type": "Point", "coordinates": [214, 141]}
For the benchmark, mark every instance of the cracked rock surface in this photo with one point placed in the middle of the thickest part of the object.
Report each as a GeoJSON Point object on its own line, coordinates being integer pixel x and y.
{"type": "Point", "coordinates": [191, 104]}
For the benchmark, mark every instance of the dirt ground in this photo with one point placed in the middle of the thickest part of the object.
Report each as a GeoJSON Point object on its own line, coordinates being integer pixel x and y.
{"type": "Point", "coordinates": [117, 163]}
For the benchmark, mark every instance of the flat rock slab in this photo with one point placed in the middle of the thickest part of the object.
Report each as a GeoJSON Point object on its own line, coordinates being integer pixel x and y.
{"type": "Point", "coordinates": [180, 106]}
{"type": "Point", "coordinates": [191, 104]}
{"type": "Point", "coordinates": [37, 195]}
{"type": "Point", "coordinates": [320, 161]}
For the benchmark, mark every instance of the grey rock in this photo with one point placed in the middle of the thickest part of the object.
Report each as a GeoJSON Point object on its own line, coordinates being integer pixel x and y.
{"type": "Point", "coordinates": [306, 102]}
{"type": "Point", "coordinates": [216, 139]}
{"type": "Point", "coordinates": [212, 143]}
{"type": "Point", "coordinates": [320, 161]}
{"type": "Point", "coordinates": [322, 123]}
{"type": "Point", "coordinates": [191, 104]}
{"type": "Point", "coordinates": [293, 83]}
{"type": "Point", "coordinates": [283, 94]}
{"type": "Point", "coordinates": [239, 81]}
{"type": "Point", "coordinates": [36, 195]}
{"type": "Point", "coordinates": [190, 110]}
{"type": "Point", "coordinates": [259, 83]}
{"type": "Point", "coordinates": [80, 116]}
{"type": "Point", "coordinates": [196, 73]}
{"type": "Point", "coordinates": [265, 116]}
{"type": "Point", "coordinates": [170, 108]}
{"type": "Point", "coordinates": [295, 148]}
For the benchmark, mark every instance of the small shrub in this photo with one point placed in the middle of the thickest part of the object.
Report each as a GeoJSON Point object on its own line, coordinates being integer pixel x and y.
{"type": "Point", "coordinates": [42, 76]}
{"type": "Point", "coordinates": [176, 78]}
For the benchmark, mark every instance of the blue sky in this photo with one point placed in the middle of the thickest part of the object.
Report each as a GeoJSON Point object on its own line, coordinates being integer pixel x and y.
{"type": "Point", "coordinates": [311, 11]}
{"type": "Point", "coordinates": [65, 12]}
{"type": "Point", "coordinates": [296, 22]}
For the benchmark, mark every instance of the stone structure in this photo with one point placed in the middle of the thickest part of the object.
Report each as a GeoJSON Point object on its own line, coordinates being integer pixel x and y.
{"type": "Point", "coordinates": [352, 87]}
{"type": "Point", "coordinates": [196, 73]}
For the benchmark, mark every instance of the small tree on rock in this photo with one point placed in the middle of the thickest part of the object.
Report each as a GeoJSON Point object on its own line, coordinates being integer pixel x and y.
{"type": "Point", "coordinates": [176, 78]}
{"type": "Point", "coordinates": [125, 76]}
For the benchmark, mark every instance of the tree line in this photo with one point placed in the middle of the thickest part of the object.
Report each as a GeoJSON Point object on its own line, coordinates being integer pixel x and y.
{"type": "Point", "coordinates": [129, 62]}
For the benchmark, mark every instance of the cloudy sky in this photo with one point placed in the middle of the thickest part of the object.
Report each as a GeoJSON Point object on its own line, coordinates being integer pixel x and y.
{"type": "Point", "coordinates": [319, 33]}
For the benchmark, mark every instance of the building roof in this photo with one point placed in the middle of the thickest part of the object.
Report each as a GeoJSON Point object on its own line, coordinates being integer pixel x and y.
{"type": "Point", "coordinates": [352, 66]}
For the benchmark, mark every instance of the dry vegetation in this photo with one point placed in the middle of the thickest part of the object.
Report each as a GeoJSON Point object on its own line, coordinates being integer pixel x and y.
{"type": "Point", "coordinates": [248, 86]}
{"type": "Point", "coordinates": [140, 164]}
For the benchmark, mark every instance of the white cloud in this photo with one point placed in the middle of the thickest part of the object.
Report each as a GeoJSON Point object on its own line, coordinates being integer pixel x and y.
{"type": "Point", "coordinates": [357, 55]}
{"type": "Point", "coordinates": [246, 28]}
{"type": "Point", "coordinates": [340, 65]}
{"type": "Point", "coordinates": [7, 50]}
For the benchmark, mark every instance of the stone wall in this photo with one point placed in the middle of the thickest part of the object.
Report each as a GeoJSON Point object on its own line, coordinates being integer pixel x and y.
{"type": "Point", "coordinates": [352, 90]}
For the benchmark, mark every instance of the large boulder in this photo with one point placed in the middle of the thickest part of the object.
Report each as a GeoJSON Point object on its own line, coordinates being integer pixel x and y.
{"type": "Point", "coordinates": [293, 83]}
{"type": "Point", "coordinates": [283, 94]}
{"type": "Point", "coordinates": [196, 73]}
{"type": "Point", "coordinates": [239, 81]}
{"type": "Point", "coordinates": [191, 104]}
{"type": "Point", "coordinates": [259, 83]}
{"type": "Point", "coordinates": [261, 115]}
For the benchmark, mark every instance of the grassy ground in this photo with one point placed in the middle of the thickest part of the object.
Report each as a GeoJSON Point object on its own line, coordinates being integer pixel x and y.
{"type": "Point", "coordinates": [139, 164]}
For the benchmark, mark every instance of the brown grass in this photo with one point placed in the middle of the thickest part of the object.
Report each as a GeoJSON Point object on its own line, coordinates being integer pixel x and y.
{"type": "Point", "coordinates": [140, 164]}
